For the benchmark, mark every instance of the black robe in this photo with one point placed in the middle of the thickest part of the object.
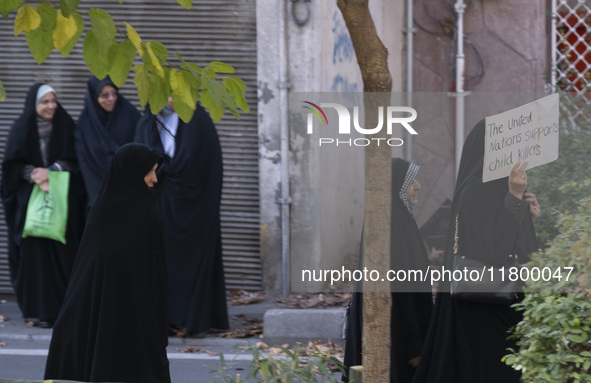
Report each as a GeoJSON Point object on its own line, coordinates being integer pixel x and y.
{"type": "Point", "coordinates": [466, 341]}
{"type": "Point", "coordinates": [113, 325]}
{"type": "Point", "coordinates": [411, 311]}
{"type": "Point", "coordinates": [39, 267]}
{"type": "Point", "coordinates": [99, 134]}
{"type": "Point", "coordinates": [189, 191]}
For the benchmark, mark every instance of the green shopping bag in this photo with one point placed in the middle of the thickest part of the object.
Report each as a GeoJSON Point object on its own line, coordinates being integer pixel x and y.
{"type": "Point", "coordinates": [47, 212]}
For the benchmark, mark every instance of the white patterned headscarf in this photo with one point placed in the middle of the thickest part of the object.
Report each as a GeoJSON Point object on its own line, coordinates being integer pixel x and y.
{"type": "Point", "coordinates": [411, 173]}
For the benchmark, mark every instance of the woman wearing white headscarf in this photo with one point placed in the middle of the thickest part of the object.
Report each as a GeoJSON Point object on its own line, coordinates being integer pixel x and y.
{"type": "Point", "coordinates": [41, 139]}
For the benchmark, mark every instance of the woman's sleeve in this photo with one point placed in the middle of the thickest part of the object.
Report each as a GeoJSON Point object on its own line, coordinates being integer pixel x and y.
{"type": "Point", "coordinates": [60, 166]}
{"type": "Point", "coordinates": [489, 224]}
{"type": "Point", "coordinates": [26, 173]}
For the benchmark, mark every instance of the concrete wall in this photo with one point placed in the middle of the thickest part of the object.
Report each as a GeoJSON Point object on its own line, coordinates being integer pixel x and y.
{"type": "Point", "coordinates": [506, 51]}
{"type": "Point", "coordinates": [326, 185]}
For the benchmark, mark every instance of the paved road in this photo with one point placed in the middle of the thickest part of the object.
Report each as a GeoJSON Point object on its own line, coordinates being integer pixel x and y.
{"type": "Point", "coordinates": [25, 359]}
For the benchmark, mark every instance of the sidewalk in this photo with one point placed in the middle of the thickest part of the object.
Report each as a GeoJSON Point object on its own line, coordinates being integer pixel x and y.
{"type": "Point", "coordinates": [23, 349]}
{"type": "Point", "coordinates": [278, 325]}
{"type": "Point", "coordinates": [242, 318]}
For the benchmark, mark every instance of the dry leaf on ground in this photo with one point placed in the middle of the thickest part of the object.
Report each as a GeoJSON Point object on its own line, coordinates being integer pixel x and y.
{"type": "Point", "coordinates": [242, 297]}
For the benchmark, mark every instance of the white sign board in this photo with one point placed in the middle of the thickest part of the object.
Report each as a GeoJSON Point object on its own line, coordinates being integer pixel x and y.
{"type": "Point", "coordinates": [526, 133]}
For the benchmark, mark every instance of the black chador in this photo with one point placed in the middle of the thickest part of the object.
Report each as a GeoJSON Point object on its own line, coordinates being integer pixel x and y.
{"type": "Point", "coordinates": [189, 191]}
{"type": "Point", "coordinates": [113, 324]}
{"type": "Point", "coordinates": [40, 267]}
{"type": "Point", "coordinates": [100, 133]}
{"type": "Point", "coordinates": [410, 311]}
{"type": "Point", "coordinates": [466, 340]}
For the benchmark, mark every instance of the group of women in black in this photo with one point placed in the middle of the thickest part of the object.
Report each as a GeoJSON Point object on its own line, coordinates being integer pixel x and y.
{"type": "Point", "coordinates": [143, 248]}
{"type": "Point", "coordinates": [454, 341]}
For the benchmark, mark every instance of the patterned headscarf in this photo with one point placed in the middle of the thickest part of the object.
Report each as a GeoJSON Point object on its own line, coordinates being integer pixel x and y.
{"type": "Point", "coordinates": [411, 173]}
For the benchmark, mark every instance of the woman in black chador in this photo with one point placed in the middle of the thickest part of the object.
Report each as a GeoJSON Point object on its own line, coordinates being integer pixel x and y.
{"type": "Point", "coordinates": [113, 325]}
{"type": "Point", "coordinates": [41, 139]}
{"type": "Point", "coordinates": [467, 340]}
{"type": "Point", "coordinates": [189, 192]}
{"type": "Point", "coordinates": [411, 311]}
{"type": "Point", "coordinates": [107, 121]}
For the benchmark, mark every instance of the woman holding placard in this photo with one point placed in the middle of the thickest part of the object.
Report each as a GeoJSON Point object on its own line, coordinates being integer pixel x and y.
{"type": "Point", "coordinates": [467, 339]}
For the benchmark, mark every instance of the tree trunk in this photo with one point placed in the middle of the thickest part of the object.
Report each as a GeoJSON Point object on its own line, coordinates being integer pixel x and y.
{"type": "Point", "coordinates": [372, 55]}
{"type": "Point", "coordinates": [372, 58]}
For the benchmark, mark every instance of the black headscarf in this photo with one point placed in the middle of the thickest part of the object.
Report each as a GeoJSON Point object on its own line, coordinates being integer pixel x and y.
{"type": "Point", "coordinates": [189, 191]}
{"type": "Point", "coordinates": [466, 341]}
{"type": "Point", "coordinates": [99, 133]}
{"type": "Point", "coordinates": [113, 325]}
{"type": "Point", "coordinates": [410, 312]}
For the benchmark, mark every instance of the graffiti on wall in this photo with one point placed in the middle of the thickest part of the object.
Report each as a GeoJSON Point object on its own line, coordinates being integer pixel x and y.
{"type": "Point", "coordinates": [343, 57]}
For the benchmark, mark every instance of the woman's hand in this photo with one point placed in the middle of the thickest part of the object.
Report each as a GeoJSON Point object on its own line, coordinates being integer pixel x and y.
{"type": "Point", "coordinates": [534, 205]}
{"type": "Point", "coordinates": [44, 186]}
{"type": "Point", "coordinates": [414, 362]}
{"type": "Point", "coordinates": [518, 180]}
{"type": "Point", "coordinates": [41, 177]}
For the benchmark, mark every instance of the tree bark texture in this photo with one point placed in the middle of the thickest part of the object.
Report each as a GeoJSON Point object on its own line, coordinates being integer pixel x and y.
{"type": "Point", "coordinates": [372, 57]}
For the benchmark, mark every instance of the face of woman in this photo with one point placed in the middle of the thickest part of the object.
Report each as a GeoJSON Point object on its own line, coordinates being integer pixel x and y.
{"type": "Point", "coordinates": [107, 98]}
{"type": "Point", "coordinates": [47, 106]}
{"type": "Point", "coordinates": [413, 192]}
{"type": "Point", "coordinates": [150, 179]}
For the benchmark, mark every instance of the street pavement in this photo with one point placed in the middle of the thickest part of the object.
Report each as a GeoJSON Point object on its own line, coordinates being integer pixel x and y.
{"type": "Point", "coordinates": [23, 349]}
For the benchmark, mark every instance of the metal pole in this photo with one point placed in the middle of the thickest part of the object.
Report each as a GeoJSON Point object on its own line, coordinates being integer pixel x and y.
{"type": "Point", "coordinates": [409, 71]}
{"type": "Point", "coordinates": [285, 200]}
{"type": "Point", "coordinates": [553, 43]}
{"type": "Point", "coordinates": [460, 64]}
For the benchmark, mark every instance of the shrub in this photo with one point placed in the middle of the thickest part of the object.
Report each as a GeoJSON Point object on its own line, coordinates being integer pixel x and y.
{"type": "Point", "coordinates": [554, 337]}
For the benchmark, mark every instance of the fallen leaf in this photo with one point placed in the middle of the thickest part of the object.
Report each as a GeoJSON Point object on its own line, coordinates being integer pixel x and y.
{"type": "Point", "coordinates": [261, 346]}
{"type": "Point", "coordinates": [190, 349]}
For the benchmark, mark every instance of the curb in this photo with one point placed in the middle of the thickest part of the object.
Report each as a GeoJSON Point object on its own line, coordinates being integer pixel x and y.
{"type": "Point", "coordinates": [290, 325]}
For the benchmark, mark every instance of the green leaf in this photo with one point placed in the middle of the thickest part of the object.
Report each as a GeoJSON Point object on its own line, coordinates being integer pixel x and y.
{"type": "Point", "coordinates": [216, 111]}
{"type": "Point", "coordinates": [158, 93]}
{"type": "Point", "coordinates": [40, 41]}
{"type": "Point", "coordinates": [221, 67]}
{"type": "Point", "coordinates": [68, 6]}
{"type": "Point", "coordinates": [103, 27]}
{"type": "Point", "coordinates": [95, 56]}
{"type": "Point", "coordinates": [121, 58]}
{"type": "Point", "coordinates": [65, 30]}
{"type": "Point", "coordinates": [192, 77]}
{"type": "Point", "coordinates": [181, 89]}
{"type": "Point", "coordinates": [152, 60]}
{"type": "Point", "coordinates": [159, 51]}
{"type": "Point", "coordinates": [209, 84]}
{"type": "Point", "coordinates": [27, 19]}
{"type": "Point", "coordinates": [142, 83]}
{"type": "Point", "coordinates": [210, 72]}
{"type": "Point", "coordinates": [236, 88]}
{"type": "Point", "coordinates": [239, 83]}
{"type": "Point", "coordinates": [578, 338]}
{"type": "Point", "coordinates": [135, 39]}
{"type": "Point", "coordinates": [2, 92]}
{"type": "Point", "coordinates": [227, 100]}
{"type": "Point", "coordinates": [7, 6]}
{"type": "Point", "coordinates": [184, 111]}
{"type": "Point", "coordinates": [185, 3]}
{"type": "Point", "coordinates": [79, 29]}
